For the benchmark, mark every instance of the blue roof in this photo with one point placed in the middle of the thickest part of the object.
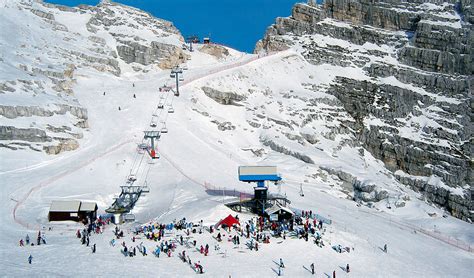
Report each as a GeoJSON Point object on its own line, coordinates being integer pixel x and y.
{"type": "Point", "coordinates": [255, 178]}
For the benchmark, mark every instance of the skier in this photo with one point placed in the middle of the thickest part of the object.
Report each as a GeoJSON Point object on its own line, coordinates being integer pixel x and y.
{"type": "Point", "coordinates": [134, 96]}
{"type": "Point", "coordinates": [312, 268]}
{"type": "Point", "coordinates": [385, 248]}
{"type": "Point", "coordinates": [93, 248]}
{"type": "Point", "coordinates": [27, 239]}
{"type": "Point", "coordinates": [104, 93]}
{"type": "Point", "coordinates": [199, 267]}
{"type": "Point", "coordinates": [144, 251]}
{"type": "Point", "coordinates": [334, 274]}
{"type": "Point", "coordinates": [281, 263]}
{"type": "Point", "coordinates": [30, 259]}
{"type": "Point", "coordinates": [347, 268]}
{"type": "Point", "coordinates": [157, 251]}
{"type": "Point", "coordinates": [119, 108]}
{"type": "Point", "coordinates": [256, 246]}
{"type": "Point", "coordinates": [78, 233]}
{"type": "Point", "coordinates": [21, 242]}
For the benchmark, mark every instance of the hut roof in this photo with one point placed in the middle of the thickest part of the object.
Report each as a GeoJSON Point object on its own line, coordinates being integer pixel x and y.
{"type": "Point", "coordinates": [88, 206]}
{"type": "Point", "coordinates": [277, 209]}
{"type": "Point", "coordinates": [65, 206]}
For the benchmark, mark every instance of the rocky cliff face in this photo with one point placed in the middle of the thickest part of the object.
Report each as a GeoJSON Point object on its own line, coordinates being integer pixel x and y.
{"type": "Point", "coordinates": [409, 87]}
{"type": "Point", "coordinates": [44, 46]}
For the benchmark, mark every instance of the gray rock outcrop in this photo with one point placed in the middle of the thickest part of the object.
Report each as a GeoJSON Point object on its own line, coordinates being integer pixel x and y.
{"type": "Point", "coordinates": [227, 98]}
{"type": "Point", "coordinates": [411, 100]}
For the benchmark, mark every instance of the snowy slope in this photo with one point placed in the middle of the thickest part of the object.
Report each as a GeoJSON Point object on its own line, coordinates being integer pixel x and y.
{"type": "Point", "coordinates": [274, 115]}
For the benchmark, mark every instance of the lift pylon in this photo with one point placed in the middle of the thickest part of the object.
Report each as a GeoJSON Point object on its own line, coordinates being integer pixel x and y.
{"type": "Point", "coordinates": [175, 72]}
{"type": "Point", "coordinates": [152, 135]}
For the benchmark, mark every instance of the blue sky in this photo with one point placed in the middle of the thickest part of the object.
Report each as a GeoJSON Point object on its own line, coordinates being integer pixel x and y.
{"type": "Point", "coordinates": [237, 23]}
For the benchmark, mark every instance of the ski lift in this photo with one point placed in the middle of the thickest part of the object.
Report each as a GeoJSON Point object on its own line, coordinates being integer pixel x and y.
{"type": "Point", "coordinates": [172, 75]}
{"type": "Point", "coordinates": [181, 78]}
{"type": "Point", "coordinates": [141, 148]}
{"type": "Point", "coordinates": [153, 122]}
{"type": "Point", "coordinates": [184, 67]}
{"type": "Point", "coordinates": [165, 88]}
{"type": "Point", "coordinates": [131, 178]}
{"type": "Point", "coordinates": [161, 105]}
{"type": "Point", "coordinates": [301, 190]}
{"type": "Point", "coordinates": [171, 110]}
{"type": "Point", "coordinates": [164, 129]}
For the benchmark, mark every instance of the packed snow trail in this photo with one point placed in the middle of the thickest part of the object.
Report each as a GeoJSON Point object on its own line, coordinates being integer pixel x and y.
{"type": "Point", "coordinates": [117, 146]}
{"type": "Point", "coordinates": [438, 236]}
{"type": "Point", "coordinates": [410, 227]}
{"type": "Point", "coordinates": [57, 177]}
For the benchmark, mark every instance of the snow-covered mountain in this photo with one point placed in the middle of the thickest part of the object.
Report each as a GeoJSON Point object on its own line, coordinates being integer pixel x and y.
{"type": "Point", "coordinates": [403, 74]}
{"type": "Point", "coordinates": [42, 48]}
{"type": "Point", "coordinates": [333, 97]}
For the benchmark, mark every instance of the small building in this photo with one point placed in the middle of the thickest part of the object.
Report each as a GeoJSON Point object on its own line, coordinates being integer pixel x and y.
{"type": "Point", "coordinates": [64, 210]}
{"type": "Point", "coordinates": [71, 210]}
{"type": "Point", "coordinates": [88, 211]}
{"type": "Point", "coordinates": [206, 40]}
{"type": "Point", "coordinates": [279, 213]}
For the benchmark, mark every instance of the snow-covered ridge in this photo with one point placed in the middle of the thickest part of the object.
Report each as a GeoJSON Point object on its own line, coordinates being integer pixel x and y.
{"type": "Point", "coordinates": [43, 47]}
{"type": "Point", "coordinates": [234, 109]}
{"type": "Point", "coordinates": [408, 89]}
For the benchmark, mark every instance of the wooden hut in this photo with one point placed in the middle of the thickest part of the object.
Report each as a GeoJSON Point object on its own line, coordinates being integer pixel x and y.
{"type": "Point", "coordinates": [64, 210]}
{"type": "Point", "coordinates": [72, 210]}
{"type": "Point", "coordinates": [279, 213]}
{"type": "Point", "coordinates": [88, 211]}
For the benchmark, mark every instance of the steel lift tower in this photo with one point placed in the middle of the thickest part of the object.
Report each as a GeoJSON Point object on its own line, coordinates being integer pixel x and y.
{"type": "Point", "coordinates": [175, 72]}
{"type": "Point", "coordinates": [152, 135]}
{"type": "Point", "coordinates": [191, 40]}
{"type": "Point", "coordinates": [260, 175]}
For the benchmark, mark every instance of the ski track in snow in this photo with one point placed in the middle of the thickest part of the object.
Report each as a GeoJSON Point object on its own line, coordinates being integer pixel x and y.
{"type": "Point", "coordinates": [116, 147]}
{"type": "Point", "coordinates": [55, 178]}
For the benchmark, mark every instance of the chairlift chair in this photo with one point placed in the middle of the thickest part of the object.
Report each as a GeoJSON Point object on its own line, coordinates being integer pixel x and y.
{"type": "Point", "coordinates": [184, 67]}
{"type": "Point", "coordinates": [141, 148]}
{"type": "Point", "coordinates": [172, 75]}
{"type": "Point", "coordinates": [171, 110]}
{"type": "Point", "coordinates": [132, 178]}
{"type": "Point", "coordinates": [161, 105]}
{"type": "Point", "coordinates": [164, 129]}
{"type": "Point", "coordinates": [181, 78]}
